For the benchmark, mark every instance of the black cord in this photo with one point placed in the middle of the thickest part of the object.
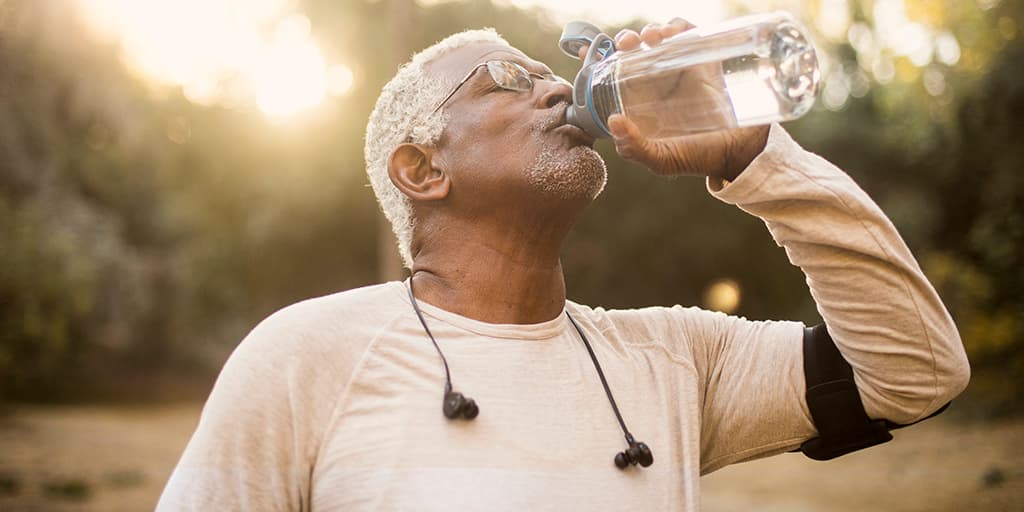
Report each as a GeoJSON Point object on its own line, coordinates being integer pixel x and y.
{"type": "Point", "coordinates": [416, 308]}
{"type": "Point", "coordinates": [586, 343]}
{"type": "Point", "coordinates": [607, 390]}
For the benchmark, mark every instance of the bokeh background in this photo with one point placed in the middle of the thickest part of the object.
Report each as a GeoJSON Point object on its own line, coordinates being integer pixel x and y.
{"type": "Point", "coordinates": [171, 172]}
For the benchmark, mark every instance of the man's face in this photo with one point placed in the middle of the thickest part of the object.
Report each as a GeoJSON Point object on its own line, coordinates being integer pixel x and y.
{"type": "Point", "coordinates": [499, 142]}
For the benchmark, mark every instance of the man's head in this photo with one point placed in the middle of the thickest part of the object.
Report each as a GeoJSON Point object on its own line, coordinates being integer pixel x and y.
{"type": "Point", "coordinates": [484, 145]}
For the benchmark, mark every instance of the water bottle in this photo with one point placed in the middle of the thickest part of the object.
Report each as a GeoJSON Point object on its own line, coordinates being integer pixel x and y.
{"type": "Point", "coordinates": [747, 71]}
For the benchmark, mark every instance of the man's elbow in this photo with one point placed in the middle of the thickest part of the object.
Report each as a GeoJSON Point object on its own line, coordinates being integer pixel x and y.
{"type": "Point", "coordinates": [952, 373]}
{"type": "Point", "coordinates": [946, 371]}
{"type": "Point", "coordinates": [921, 385]}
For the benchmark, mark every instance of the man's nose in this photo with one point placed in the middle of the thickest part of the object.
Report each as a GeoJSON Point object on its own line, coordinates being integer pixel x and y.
{"type": "Point", "coordinates": [553, 92]}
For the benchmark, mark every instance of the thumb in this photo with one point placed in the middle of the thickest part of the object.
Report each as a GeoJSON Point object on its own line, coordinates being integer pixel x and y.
{"type": "Point", "coordinates": [629, 142]}
{"type": "Point", "coordinates": [661, 158]}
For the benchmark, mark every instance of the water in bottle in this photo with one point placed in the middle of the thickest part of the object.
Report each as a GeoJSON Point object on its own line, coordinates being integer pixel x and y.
{"type": "Point", "coordinates": [747, 71]}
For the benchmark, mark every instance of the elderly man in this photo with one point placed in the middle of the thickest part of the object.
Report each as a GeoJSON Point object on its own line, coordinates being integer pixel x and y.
{"type": "Point", "coordinates": [360, 400]}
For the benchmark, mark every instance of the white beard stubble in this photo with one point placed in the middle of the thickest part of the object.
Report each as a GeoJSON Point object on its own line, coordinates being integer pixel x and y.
{"type": "Point", "coordinates": [577, 173]}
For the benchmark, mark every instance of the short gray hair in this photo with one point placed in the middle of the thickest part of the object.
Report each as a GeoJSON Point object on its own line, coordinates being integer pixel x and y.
{"type": "Point", "coordinates": [403, 113]}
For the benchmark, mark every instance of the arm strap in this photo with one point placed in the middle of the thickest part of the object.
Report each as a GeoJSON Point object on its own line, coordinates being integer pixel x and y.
{"type": "Point", "coordinates": [834, 402]}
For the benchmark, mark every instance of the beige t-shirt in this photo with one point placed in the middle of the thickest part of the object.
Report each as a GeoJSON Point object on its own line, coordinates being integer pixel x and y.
{"type": "Point", "coordinates": [335, 403]}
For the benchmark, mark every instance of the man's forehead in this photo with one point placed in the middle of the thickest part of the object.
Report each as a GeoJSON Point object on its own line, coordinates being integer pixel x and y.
{"type": "Point", "coordinates": [458, 62]}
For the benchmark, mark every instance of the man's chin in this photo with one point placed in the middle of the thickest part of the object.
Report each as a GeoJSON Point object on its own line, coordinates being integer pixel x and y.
{"type": "Point", "coordinates": [579, 173]}
{"type": "Point", "coordinates": [600, 172]}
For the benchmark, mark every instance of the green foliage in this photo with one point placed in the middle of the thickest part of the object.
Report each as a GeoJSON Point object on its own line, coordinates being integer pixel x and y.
{"type": "Point", "coordinates": [982, 267]}
{"type": "Point", "coordinates": [142, 233]}
{"type": "Point", "coordinates": [72, 279]}
{"type": "Point", "coordinates": [948, 174]}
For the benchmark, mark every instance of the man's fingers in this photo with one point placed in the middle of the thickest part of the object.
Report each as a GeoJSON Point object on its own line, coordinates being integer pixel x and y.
{"type": "Point", "coordinates": [629, 142]}
{"type": "Point", "coordinates": [676, 26]}
{"type": "Point", "coordinates": [616, 125]}
{"type": "Point", "coordinates": [620, 133]}
{"type": "Point", "coordinates": [680, 24]}
{"type": "Point", "coordinates": [627, 40]}
{"type": "Point", "coordinates": [651, 34]}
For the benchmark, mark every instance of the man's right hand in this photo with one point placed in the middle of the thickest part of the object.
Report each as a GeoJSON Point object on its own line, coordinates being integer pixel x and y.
{"type": "Point", "coordinates": [722, 154]}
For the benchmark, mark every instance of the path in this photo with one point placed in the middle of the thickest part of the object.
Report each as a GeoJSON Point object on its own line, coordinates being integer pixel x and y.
{"type": "Point", "coordinates": [114, 459]}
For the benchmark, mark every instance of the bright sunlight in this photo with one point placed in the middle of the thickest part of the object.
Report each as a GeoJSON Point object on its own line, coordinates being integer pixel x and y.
{"type": "Point", "coordinates": [225, 52]}
{"type": "Point", "coordinates": [262, 53]}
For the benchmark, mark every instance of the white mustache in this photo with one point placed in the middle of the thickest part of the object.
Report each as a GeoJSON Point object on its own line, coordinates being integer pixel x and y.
{"type": "Point", "coordinates": [554, 118]}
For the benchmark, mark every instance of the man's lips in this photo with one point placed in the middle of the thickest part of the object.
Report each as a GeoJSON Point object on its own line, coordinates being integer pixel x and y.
{"type": "Point", "coordinates": [557, 122]}
{"type": "Point", "coordinates": [575, 134]}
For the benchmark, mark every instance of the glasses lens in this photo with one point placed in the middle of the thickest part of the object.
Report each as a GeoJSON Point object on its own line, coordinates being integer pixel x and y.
{"type": "Point", "coordinates": [509, 75]}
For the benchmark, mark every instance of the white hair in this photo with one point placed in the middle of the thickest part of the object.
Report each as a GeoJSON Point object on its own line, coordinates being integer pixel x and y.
{"type": "Point", "coordinates": [403, 114]}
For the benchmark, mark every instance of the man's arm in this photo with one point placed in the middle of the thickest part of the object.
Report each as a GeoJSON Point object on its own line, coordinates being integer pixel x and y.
{"type": "Point", "coordinates": [884, 315]}
{"type": "Point", "coordinates": [259, 431]}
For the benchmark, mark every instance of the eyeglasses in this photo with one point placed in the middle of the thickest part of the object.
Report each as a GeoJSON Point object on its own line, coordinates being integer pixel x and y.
{"type": "Point", "coordinates": [506, 74]}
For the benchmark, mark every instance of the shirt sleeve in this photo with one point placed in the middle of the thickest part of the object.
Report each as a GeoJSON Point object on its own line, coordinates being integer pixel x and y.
{"type": "Point", "coordinates": [753, 386]}
{"type": "Point", "coordinates": [258, 433]}
{"type": "Point", "coordinates": [885, 317]}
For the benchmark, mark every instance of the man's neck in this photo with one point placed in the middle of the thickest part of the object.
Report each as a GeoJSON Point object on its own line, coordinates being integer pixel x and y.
{"type": "Point", "coordinates": [495, 283]}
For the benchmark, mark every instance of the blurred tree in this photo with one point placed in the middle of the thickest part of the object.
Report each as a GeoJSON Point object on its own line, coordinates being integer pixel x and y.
{"type": "Point", "coordinates": [78, 273]}
{"type": "Point", "coordinates": [979, 259]}
{"type": "Point", "coordinates": [142, 232]}
{"type": "Point", "coordinates": [935, 145]}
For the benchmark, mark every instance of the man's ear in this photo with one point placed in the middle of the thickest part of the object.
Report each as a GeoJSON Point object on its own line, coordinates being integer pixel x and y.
{"type": "Point", "coordinates": [412, 170]}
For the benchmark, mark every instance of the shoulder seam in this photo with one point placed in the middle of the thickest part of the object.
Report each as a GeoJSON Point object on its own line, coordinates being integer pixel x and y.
{"type": "Point", "coordinates": [344, 394]}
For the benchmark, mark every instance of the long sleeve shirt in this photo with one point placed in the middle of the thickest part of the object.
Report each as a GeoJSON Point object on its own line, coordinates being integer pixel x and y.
{"type": "Point", "coordinates": [335, 403]}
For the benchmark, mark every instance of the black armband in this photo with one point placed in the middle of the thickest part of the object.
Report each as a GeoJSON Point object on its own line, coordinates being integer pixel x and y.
{"type": "Point", "coordinates": [832, 397]}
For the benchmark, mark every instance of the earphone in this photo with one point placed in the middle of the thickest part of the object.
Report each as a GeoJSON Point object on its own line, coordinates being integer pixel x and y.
{"type": "Point", "coordinates": [458, 406]}
{"type": "Point", "coordinates": [637, 453]}
{"type": "Point", "coordinates": [455, 405]}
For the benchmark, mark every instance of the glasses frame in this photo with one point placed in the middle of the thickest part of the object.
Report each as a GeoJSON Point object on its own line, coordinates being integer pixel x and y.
{"type": "Point", "coordinates": [529, 75]}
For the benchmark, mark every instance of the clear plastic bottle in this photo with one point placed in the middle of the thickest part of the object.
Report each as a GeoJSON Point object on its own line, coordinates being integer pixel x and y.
{"type": "Point", "coordinates": [746, 71]}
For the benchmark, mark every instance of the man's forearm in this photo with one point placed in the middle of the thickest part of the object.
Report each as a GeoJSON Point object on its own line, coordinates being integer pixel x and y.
{"type": "Point", "coordinates": [884, 315]}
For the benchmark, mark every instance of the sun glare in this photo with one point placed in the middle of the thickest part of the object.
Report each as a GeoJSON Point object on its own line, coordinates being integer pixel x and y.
{"type": "Point", "coordinates": [228, 52]}
{"type": "Point", "coordinates": [292, 75]}
{"type": "Point", "coordinates": [609, 12]}
{"type": "Point", "coordinates": [722, 295]}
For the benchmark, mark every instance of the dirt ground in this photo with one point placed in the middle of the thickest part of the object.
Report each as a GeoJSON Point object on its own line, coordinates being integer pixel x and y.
{"type": "Point", "coordinates": [107, 458]}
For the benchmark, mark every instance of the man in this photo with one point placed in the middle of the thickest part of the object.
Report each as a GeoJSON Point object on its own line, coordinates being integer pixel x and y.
{"type": "Point", "coordinates": [335, 403]}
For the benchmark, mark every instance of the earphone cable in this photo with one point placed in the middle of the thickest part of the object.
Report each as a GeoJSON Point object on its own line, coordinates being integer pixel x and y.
{"type": "Point", "coordinates": [586, 343]}
{"type": "Point", "coordinates": [597, 366]}
{"type": "Point", "coordinates": [416, 308]}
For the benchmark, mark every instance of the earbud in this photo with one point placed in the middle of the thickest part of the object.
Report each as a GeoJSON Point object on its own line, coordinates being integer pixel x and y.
{"type": "Point", "coordinates": [456, 405]}
{"type": "Point", "coordinates": [637, 453]}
